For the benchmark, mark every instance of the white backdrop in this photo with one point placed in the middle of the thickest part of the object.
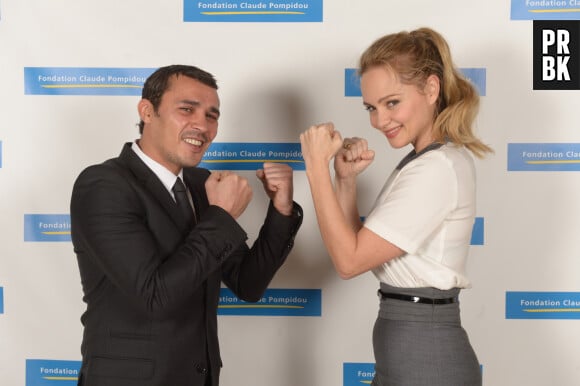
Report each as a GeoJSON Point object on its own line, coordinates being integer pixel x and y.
{"type": "Point", "coordinates": [275, 80]}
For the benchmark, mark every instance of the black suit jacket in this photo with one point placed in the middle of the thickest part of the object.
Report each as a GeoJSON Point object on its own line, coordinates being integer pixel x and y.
{"type": "Point", "coordinates": [151, 286]}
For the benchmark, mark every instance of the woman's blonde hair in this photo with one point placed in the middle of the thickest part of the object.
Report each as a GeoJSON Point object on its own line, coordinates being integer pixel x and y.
{"type": "Point", "coordinates": [416, 55]}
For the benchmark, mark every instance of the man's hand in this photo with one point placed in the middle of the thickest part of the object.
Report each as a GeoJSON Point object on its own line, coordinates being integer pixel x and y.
{"type": "Point", "coordinates": [277, 179]}
{"type": "Point", "coordinates": [229, 191]}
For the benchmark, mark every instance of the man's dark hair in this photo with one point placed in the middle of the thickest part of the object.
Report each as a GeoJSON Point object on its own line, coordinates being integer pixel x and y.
{"type": "Point", "coordinates": [158, 82]}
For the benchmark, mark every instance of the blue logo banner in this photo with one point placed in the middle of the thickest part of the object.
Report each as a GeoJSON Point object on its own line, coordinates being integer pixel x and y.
{"type": "Point", "coordinates": [43, 372]}
{"type": "Point", "coordinates": [543, 157]}
{"type": "Point", "coordinates": [251, 156]}
{"type": "Point", "coordinates": [476, 75]}
{"type": "Point", "coordinates": [47, 227]}
{"type": "Point", "coordinates": [1, 300]}
{"type": "Point", "coordinates": [252, 11]}
{"type": "Point", "coordinates": [84, 81]}
{"type": "Point", "coordinates": [545, 10]}
{"type": "Point", "coordinates": [542, 305]}
{"type": "Point", "coordinates": [477, 231]}
{"type": "Point", "coordinates": [351, 83]}
{"type": "Point", "coordinates": [274, 302]}
{"type": "Point", "coordinates": [355, 374]}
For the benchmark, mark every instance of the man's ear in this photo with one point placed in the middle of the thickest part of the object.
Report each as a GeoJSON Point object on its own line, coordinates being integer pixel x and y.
{"type": "Point", "coordinates": [432, 87]}
{"type": "Point", "coordinates": [145, 109]}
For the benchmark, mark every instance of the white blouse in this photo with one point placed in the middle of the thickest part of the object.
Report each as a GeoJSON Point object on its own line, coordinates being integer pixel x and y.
{"type": "Point", "coordinates": [427, 208]}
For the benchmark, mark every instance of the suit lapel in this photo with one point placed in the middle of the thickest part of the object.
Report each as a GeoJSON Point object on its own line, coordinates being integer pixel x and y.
{"type": "Point", "coordinates": [152, 184]}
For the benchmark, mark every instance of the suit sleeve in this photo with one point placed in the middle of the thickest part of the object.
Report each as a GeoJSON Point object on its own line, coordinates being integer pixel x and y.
{"type": "Point", "coordinates": [248, 271]}
{"type": "Point", "coordinates": [122, 236]}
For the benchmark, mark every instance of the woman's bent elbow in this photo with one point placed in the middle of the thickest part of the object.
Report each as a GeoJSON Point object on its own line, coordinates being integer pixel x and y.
{"type": "Point", "coordinates": [346, 274]}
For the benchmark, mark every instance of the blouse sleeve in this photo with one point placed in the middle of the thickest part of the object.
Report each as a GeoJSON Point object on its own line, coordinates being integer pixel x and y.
{"type": "Point", "coordinates": [415, 203]}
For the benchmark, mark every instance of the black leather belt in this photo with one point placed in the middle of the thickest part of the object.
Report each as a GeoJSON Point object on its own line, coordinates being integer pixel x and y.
{"type": "Point", "coordinates": [416, 299]}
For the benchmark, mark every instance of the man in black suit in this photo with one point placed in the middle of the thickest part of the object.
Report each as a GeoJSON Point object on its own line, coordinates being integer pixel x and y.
{"type": "Point", "coordinates": [151, 276]}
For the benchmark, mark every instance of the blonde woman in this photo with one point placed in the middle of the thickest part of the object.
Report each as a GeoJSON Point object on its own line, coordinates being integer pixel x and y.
{"type": "Point", "coordinates": [416, 238]}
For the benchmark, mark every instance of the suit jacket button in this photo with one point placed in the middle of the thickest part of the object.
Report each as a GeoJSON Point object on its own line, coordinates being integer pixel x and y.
{"type": "Point", "coordinates": [200, 369]}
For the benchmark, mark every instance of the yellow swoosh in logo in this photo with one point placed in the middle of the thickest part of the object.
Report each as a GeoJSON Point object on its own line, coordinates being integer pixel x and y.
{"type": "Point", "coordinates": [61, 378]}
{"type": "Point", "coordinates": [89, 86]}
{"type": "Point", "coordinates": [249, 160]}
{"type": "Point", "coordinates": [552, 310]}
{"type": "Point", "coordinates": [554, 10]}
{"type": "Point", "coordinates": [553, 162]}
{"type": "Point", "coordinates": [258, 306]}
{"type": "Point", "coordinates": [56, 233]}
{"type": "Point", "coordinates": [253, 13]}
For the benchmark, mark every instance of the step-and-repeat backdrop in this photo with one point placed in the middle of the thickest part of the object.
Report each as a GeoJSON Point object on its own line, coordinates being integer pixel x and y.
{"type": "Point", "coordinates": [71, 74]}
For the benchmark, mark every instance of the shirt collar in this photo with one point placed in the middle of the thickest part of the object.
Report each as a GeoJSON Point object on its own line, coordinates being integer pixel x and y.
{"type": "Point", "coordinates": [166, 177]}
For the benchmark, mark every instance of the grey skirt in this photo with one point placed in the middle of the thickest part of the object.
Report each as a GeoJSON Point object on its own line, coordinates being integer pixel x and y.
{"type": "Point", "coordinates": [422, 344]}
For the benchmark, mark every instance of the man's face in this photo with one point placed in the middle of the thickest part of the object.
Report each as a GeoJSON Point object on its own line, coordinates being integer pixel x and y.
{"type": "Point", "coordinates": [185, 124]}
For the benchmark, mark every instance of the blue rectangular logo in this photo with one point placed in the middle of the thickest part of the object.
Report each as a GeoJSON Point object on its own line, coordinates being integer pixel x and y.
{"type": "Point", "coordinates": [477, 76]}
{"type": "Point", "coordinates": [351, 83]}
{"type": "Point", "coordinates": [477, 231]}
{"type": "Point", "coordinates": [251, 156]}
{"type": "Point", "coordinates": [543, 157]}
{"type": "Point", "coordinates": [542, 305]}
{"type": "Point", "coordinates": [47, 227]}
{"type": "Point", "coordinates": [274, 302]}
{"type": "Point", "coordinates": [1, 300]}
{"type": "Point", "coordinates": [84, 81]}
{"type": "Point", "coordinates": [355, 374]}
{"type": "Point", "coordinates": [43, 372]}
{"type": "Point", "coordinates": [545, 10]}
{"type": "Point", "coordinates": [277, 11]}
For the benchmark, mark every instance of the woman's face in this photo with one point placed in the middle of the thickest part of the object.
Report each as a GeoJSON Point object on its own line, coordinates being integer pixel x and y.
{"type": "Point", "coordinates": [403, 113]}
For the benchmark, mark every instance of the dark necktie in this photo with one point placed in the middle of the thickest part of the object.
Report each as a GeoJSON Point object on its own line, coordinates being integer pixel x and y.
{"type": "Point", "coordinates": [183, 202]}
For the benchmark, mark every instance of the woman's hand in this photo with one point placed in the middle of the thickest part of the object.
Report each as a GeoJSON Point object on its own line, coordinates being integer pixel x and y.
{"type": "Point", "coordinates": [352, 158]}
{"type": "Point", "coordinates": [320, 143]}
